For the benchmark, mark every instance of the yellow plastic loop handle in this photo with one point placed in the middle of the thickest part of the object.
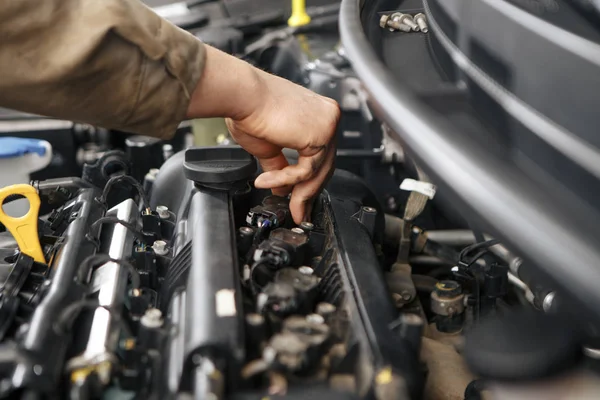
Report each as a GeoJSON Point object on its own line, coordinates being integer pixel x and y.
{"type": "Point", "coordinates": [299, 16]}
{"type": "Point", "coordinates": [24, 229]}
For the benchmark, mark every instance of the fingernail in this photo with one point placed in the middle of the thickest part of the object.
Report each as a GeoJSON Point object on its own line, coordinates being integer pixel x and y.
{"type": "Point", "coordinates": [262, 181]}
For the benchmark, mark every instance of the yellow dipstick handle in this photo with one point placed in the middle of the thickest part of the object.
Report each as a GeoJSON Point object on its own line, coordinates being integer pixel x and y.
{"type": "Point", "coordinates": [24, 229]}
{"type": "Point", "coordinates": [299, 16]}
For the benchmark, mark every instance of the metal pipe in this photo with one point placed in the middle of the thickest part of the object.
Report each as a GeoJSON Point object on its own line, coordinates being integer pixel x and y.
{"type": "Point", "coordinates": [67, 183]}
{"type": "Point", "coordinates": [109, 282]}
{"type": "Point", "coordinates": [464, 237]}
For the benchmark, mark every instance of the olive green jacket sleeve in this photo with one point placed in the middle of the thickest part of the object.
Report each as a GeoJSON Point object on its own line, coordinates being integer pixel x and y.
{"type": "Point", "coordinates": [109, 63]}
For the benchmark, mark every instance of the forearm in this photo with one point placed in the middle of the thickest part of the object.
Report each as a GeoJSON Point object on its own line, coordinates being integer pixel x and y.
{"type": "Point", "coordinates": [229, 87]}
{"type": "Point", "coordinates": [111, 63]}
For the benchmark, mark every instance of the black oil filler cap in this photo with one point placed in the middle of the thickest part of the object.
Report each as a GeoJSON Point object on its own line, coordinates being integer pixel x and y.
{"type": "Point", "coordinates": [219, 167]}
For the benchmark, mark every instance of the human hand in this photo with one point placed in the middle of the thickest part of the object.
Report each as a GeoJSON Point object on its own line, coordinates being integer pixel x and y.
{"type": "Point", "coordinates": [266, 114]}
{"type": "Point", "coordinates": [296, 118]}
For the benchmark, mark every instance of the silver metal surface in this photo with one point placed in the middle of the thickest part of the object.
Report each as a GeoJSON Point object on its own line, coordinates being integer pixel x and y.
{"type": "Point", "coordinates": [160, 247]}
{"type": "Point", "coordinates": [109, 281]}
{"type": "Point", "coordinates": [152, 318]}
{"type": "Point", "coordinates": [306, 226]}
{"type": "Point", "coordinates": [297, 230]}
{"type": "Point", "coordinates": [163, 212]}
{"type": "Point", "coordinates": [386, 21]}
{"type": "Point", "coordinates": [512, 278]}
{"type": "Point", "coordinates": [406, 20]}
{"type": "Point", "coordinates": [421, 20]}
{"type": "Point", "coordinates": [547, 302]}
{"type": "Point", "coordinates": [447, 306]}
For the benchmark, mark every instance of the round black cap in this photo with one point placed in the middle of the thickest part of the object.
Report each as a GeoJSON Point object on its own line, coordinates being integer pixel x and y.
{"type": "Point", "coordinates": [523, 345]}
{"type": "Point", "coordinates": [218, 165]}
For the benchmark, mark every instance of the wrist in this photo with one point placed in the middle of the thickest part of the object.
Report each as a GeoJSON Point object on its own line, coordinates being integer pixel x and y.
{"type": "Point", "coordinates": [228, 87]}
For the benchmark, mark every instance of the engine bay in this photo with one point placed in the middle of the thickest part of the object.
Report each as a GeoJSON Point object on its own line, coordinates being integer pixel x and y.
{"type": "Point", "coordinates": [149, 269]}
{"type": "Point", "coordinates": [200, 285]}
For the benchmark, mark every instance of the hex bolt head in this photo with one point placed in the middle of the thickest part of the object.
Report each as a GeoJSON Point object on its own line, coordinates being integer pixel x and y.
{"type": "Point", "coordinates": [404, 20]}
{"type": "Point", "coordinates": [383, 21]}
{"type": "Point", "coordinates": [163, 212]}
{"type": "Point", "coordinates": [306, 226]}
{"type": "Point", "coordinates": [152, 318]}
{"type": "Point", "coordinates": [160, 247]}
{"type": "Point", "coordinates": [421, 21]}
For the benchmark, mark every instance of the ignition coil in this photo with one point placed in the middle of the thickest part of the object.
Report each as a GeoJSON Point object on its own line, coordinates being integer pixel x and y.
{"type": "Point", "coordinates": [285, 245]}
{"type": "Point", "coordinates": [272, 213]}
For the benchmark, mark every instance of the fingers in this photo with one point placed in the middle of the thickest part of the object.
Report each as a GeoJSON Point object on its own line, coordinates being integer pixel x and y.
{"type": "Point", "coordinates": [304, 193]}
{"type": "Point", "coordinates": [275, 163]}
{"type": "Point", "coordinates": [306, 169]}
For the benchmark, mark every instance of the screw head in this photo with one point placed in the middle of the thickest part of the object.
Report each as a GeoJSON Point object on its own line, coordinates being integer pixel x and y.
{"type": "Point", "coordinates": [384, 20]}
{"type": "Point", "coordinates": [160, 247]}
{"type": "Point", "coordinates": [152, 318]}
{"type": "Point", "coordinates": [163, 212]}
{"type": "Point", "coordinates": [307, 226]}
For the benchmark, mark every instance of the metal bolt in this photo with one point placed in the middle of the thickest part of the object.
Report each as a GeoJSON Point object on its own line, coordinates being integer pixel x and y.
{"type": "Point", "coordinates": [369, 210]}
{"type": "Point", "coordinates": [163, 212]}
{"type": "Point", "coordinates": [548, 301]}
{"type": "Point", "coordinates": [297, 230]}
{"type": "Point", "coordinates": [246, 230]}
{"type": "Point", "coordinates": [160, 247]}
{"type": "Point", "coordinates": [421, 21]}
{"type": "Point", "coordinates": [306, 270]}
{"type": "Point", "coordinates": [306, 226]}
{"type": "Point", "coordinates": [383, 21]}
{"type": "Point", "coordinates": [152, 318]}
{"type": "Point", "coordinates": [405, 19]}
{"type": "Point", "coordinates": [167, 151]}
{"type": "Point", "coordinates": [387, 22]}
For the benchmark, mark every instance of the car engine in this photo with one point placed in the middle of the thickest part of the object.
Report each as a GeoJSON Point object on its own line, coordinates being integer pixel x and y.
{"type": "Point", "coordinates": [149, 269]}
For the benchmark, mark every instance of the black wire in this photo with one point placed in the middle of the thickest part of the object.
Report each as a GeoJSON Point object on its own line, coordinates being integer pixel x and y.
{"type": "Point", "coordinates": [477, 246]}
{"type": "Point", "coordinates": [477, 257]}
{"type": "Point", "coordinates": [112, 219]}
{"type": "Point", "coordinates": [136, 280]}
{"type": "Point", "coordinates": [67, 316]}
{"type": "Point", "coordinates": [125, 178]}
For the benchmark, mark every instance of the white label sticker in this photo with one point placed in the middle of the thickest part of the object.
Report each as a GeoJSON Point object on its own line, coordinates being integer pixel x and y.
{"type": "Point", "coordinates": [225, 300]}
{"type": "Point", "coordinates": [426, 188]}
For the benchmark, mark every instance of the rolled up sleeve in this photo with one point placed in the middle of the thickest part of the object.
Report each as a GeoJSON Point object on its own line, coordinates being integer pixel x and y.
{"type": "Point", "coordinates": [109, 63]}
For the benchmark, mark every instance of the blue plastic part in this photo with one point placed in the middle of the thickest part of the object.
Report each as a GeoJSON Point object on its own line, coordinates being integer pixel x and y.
{"type": "Point", "coordinates": [11, 147]}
